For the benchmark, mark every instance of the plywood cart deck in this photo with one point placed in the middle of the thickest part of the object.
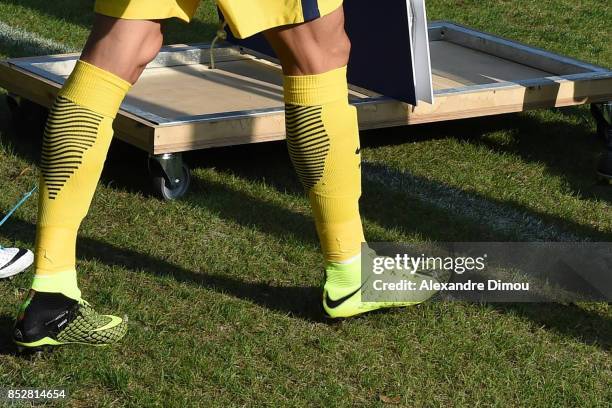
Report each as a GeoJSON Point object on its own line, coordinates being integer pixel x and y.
{"type": "Point", "coordinates": [180, 104]}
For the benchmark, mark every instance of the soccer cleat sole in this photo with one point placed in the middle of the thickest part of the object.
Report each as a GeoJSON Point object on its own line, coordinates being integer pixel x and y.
{"type": "Point", "coordinates": [345, 311]}
{"type": "Point", "coordinates": [48, 344]}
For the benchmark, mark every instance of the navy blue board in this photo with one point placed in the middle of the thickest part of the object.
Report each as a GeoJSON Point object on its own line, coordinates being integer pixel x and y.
{"type": "Point", "coordinates": [381, 59]}
{"type": "Point", "coordinates": [310, 10]}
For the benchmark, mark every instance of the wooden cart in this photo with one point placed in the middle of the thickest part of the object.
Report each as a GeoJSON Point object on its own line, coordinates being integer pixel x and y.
{"type": "Point", "coordinates": [180, 104]}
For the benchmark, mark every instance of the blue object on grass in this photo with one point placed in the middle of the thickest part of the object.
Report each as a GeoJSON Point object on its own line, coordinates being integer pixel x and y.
{"type": "Point", "coordinates": [23, 200]}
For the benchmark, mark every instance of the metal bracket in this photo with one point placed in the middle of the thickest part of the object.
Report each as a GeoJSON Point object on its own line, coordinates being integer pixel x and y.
{"type": "Point", "coordinates": [171, 165]}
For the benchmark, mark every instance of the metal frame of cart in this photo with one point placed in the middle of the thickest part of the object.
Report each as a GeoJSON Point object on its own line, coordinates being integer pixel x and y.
{"type": "Point", "coordinates": [564, 82]}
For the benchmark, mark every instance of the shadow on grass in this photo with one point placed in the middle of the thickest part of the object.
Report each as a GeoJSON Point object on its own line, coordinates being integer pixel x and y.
{"type": "Point", "coordinates": [408, 213]}
{"type": "Point", "coordinates": [399, 214]}
{"type": "Point", "coordinates": [302, 301]}
{"type": "Point", "coordinates": [568, 151]}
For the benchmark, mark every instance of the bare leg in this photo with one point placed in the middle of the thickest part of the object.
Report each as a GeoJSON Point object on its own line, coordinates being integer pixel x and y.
{"type": "Point", "coordinates": [311, 48]}
{"type": "Point", "coordinates": [123, 47]}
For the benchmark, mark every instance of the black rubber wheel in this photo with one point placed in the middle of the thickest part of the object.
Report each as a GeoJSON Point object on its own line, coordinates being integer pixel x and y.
{"type": "Point", "coordinates": [603, 127]}
{"type": "Point", "coordinates": [163, 189]}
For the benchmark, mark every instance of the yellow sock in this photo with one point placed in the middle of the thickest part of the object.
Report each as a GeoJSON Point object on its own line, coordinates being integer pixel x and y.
{"type": "Point", "coordinates": [76, 140]}
{"type": "Point", "coordinates": [323, 142]}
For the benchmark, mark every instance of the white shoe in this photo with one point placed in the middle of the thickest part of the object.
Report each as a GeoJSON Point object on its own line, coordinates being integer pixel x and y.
{"type": "Point", "coordinates": [14, 260]}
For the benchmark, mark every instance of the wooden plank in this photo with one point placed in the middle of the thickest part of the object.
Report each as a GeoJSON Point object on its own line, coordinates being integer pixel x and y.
{"type": "Point", "coordinates": [388, 113]}
{"type": "Point", "coordinates": [486, 102]}
{"type": "Point", "coordinates": [199, 135]}
{"type": "Point", "coordinates": [197, 90]}
{"type": "Point", "coordinates": [135, 131]}
{"type": "Point", "coordinates": [190, 90]}
{"type": "Point", "coordinates": [194, 90]}
{"type": "Point", "coordinates": [180, 92]}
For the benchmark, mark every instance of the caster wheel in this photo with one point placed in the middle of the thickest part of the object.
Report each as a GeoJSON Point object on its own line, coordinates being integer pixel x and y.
{"type": "Point", "coordinates": [165, 190]}
{"type": "Point", "coordinates": [169, 175]}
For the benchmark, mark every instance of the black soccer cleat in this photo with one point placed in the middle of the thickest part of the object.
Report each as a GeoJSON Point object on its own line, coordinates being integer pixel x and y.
{"type": "Point", "coordinates": [52, 319]}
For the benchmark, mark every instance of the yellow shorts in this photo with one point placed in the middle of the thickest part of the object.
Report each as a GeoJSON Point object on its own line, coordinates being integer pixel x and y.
{"type": "Point", "coordinates": [245, 17]}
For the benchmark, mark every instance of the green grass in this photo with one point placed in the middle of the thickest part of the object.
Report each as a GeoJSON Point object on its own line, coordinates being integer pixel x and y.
{"type": "Point", "coordinates": [222, 287]}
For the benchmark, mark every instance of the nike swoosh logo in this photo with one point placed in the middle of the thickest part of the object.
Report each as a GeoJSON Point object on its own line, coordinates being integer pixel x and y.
{"type": "Point", "coordinates": [332, 304]}
{"type": "Point", "coordinates": [18, 255]}
{"type": "Point", "coordinates": [114, 322]}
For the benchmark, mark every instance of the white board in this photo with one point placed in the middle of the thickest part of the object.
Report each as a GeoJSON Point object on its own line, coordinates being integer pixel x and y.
{"type": "Point", "coordinates": [419, 46]}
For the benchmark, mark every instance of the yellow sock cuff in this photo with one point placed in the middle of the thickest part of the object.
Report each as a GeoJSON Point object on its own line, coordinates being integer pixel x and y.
{"type": "Point", "coordinates": [317, 89]}
{"type": "Point", "coordinates": [95, 88]}
{"type": "Point", "coordinates": [60, 282]}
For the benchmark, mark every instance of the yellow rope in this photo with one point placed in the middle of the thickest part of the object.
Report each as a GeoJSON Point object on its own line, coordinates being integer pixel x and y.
{"type": "Point", "coordinates": [221, 35]}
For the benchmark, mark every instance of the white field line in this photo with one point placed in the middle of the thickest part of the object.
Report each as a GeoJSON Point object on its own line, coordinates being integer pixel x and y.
{"type": "Point", "coordinates": [523, 226]}
{"type": "Point", "coordinates": [28, 43]}
{"type": "Point", "coordinates": [497, 217]}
